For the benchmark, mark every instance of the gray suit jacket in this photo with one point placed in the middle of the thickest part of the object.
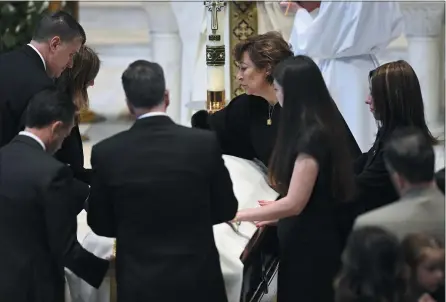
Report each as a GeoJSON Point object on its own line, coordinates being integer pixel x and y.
{"type": "Point", "coordinates": [418, 211]}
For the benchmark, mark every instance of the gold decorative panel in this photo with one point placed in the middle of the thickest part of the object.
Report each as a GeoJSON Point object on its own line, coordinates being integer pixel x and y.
{"type": "Point", "coordinates": [242, 24]}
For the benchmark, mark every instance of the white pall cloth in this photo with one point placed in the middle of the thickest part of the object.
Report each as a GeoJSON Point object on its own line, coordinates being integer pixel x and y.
{"type": "Point", "coordinates": [250, 185]}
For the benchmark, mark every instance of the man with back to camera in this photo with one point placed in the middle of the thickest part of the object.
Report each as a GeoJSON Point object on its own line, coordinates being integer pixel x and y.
{"type": "Point", "coordinates": [159, 188]}
{"type": "Point", "coordinates": [33, 68]}
{"type": "Point", "coordinates": [410, 160]}
{"type": "Point", "coordinates": [39, 202]}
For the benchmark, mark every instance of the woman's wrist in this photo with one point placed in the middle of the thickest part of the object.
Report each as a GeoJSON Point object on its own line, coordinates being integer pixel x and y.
{"type": "Point", "coordinates": [238, 217]}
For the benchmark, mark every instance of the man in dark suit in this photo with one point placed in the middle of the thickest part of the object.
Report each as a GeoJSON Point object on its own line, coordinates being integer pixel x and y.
{"type": "Point", "coordinates": [39, 203]}
{"type": "Point", "coordinates": [158, 188]}
{"type": "Point", "coordinates": [33, 68]}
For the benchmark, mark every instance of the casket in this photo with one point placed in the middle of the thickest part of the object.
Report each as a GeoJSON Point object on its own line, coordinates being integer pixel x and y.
{"type": "Point", "coordinates": [248, 256]}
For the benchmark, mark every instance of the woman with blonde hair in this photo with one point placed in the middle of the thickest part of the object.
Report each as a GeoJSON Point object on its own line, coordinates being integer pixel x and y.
{"type": "Point", "coordinates": [75, 82]}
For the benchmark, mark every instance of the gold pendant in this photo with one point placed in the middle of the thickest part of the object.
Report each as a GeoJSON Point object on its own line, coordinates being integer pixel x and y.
{"type": "Point", "coordinates": [269, 122]}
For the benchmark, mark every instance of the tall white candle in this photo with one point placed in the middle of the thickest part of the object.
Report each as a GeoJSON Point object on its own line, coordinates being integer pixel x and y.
{"type": "Point", "coordinates": [215, 51]}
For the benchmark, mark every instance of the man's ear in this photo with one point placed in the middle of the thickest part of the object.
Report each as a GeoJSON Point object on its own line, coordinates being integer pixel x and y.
{"type": "Point", "coordinates": [166, 98]}
{"type": "Point", "coordinates": [129, 107]}
{"type": "Point", "coordinates": [56, 127]}
{"type": "Point", "coordinates": [398, 180]}
{"type": "Point", "coordinates": [54, 42]}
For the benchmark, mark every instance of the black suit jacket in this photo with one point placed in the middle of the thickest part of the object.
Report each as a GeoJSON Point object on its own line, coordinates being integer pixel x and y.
{"type": "Point", "coordinates": [158, 188]}
{"type": "Point", "coordinates": [39, 202]}
{"type": "Point", "coordinates": [22, 74]}
{"type": "Point", "coordinates": [72, 153]}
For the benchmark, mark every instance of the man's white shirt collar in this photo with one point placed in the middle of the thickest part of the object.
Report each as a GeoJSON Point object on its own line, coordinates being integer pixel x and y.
{"type": "Point", "coordinates": [149, 114]}
{"type": "Point", "coordinates": [40, 55]}
{"type": "Point", "coordinates": [33, 136]}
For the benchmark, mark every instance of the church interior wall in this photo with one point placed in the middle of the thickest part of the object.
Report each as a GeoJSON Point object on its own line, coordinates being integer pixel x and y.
{"type": "Point", "coordinates": [120, 32]}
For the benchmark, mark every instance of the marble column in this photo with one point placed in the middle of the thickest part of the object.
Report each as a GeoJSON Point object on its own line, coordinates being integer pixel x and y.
{"type": "Point", "coordinates": [166, 50]}
{"type": "Point", "coordinates": [424, 23]}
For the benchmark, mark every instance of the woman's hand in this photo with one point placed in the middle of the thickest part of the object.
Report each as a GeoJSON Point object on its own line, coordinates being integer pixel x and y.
{"type": "Point", "coordinates": [265, 203]}
{"type": "Point", "coordinates": [236, 218]}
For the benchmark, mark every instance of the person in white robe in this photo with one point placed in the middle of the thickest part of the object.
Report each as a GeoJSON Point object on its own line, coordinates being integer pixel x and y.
{"type": "Point", "coordinates": [344, 37]}
{"type": "Point", "coordinates": [270, 18]}
{"type": "Point", "coordinates": [250, 185]}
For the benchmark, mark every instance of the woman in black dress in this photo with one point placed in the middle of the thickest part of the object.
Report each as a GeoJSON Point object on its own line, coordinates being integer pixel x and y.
{"type": "Point", "coordinates": [311, 167]}
{"type": "Point", "coordinates": [247, 126]}
{"type": "Point", "coordinates": [396, 102]}
{"type": "Point", "coordinates": [75, 82]}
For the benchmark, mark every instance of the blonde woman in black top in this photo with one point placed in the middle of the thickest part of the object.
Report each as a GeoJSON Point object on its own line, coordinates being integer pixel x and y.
{"type": "Point", "coordinates": [75, 82]}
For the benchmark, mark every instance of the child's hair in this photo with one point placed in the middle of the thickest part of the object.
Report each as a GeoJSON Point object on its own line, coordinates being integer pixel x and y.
{"type": "Point", "coordinates": [425, 273]}
{"type": "Point", "coordinates": [372, 268]}
{"type": "Point", "coordinates": [414, 246]}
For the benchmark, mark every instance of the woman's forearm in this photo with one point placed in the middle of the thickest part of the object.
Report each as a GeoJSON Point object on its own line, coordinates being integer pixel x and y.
{"type": "Point", "coordinates": [277, 210]}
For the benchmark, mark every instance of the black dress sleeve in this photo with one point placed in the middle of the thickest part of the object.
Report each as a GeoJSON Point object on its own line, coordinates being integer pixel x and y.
{"type": "Point", "coordinates": [231, 125]}
{"type": "Point", "coordinates": [314, 143]}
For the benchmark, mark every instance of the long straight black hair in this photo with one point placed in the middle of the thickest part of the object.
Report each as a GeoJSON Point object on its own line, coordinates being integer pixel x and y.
{"type": "Point", "coordinates": [308, 106]}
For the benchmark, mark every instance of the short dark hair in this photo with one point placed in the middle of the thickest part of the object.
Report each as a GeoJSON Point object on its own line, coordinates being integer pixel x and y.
{"type": "Point", "coordinates": [47, 107]}
{"type": "Point", "coordinates": [144, 84]}
{"type": "Point", "coordinates": [60, 24]}
{"type": "Point", "coordinates": [265, 51]}
{"type": "Point", "coordinates": [409, 152]}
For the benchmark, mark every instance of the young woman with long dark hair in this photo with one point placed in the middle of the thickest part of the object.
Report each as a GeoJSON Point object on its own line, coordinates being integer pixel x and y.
{"type": "Point", "coordinates": [311, 167]}
{"type": "Point", "coordinates": [396, 102]}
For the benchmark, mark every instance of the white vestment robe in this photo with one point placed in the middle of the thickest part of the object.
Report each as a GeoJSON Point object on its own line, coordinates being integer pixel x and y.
{"type": "Point", "coordinates": [250, 185]}
{"type": "Point", "coordinates": [344, 38]}
{"type": "Point", "coordinates": [271, 18]}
